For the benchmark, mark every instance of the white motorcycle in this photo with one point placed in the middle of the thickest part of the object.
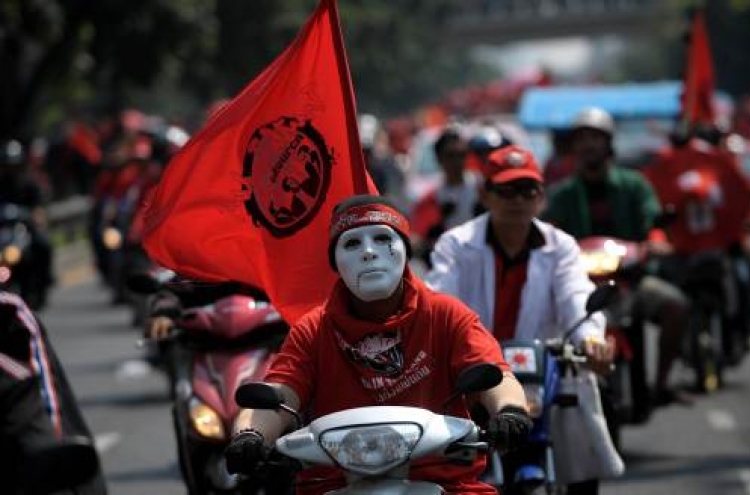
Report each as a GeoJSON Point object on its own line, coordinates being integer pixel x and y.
{"type": "Point", "coordinates": [375, 445]}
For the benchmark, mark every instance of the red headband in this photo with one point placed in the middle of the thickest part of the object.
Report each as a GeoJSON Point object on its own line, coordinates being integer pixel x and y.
{"type": "Point", "coordinates": [369, 214]}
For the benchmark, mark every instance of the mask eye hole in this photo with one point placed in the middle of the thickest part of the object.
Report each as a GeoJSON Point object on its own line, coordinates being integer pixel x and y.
{"type": "Point", "coordinates": [383, 238]}
{"type": "Point", "coordinates": [351, 243]}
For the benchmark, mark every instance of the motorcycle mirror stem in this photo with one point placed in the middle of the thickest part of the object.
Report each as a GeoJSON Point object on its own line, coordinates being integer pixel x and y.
{"type": "Point", "coordinates": [599, 299]}
{"type": "Point", "coordinates": [475, 378]}
{"type": "Point", "coordinates": [142, 283]}
{"type": "Point", "coordinates": [259, 395]}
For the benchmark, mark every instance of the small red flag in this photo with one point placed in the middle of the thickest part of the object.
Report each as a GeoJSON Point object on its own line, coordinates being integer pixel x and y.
{"type": "Point", "coordinates": [249, 197]}
{"type": "Point", "coordinates": [698, 91]}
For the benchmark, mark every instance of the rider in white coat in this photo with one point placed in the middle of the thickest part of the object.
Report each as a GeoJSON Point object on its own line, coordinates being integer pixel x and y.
{"type": "Point", "coordinates": [523, 277]}
{"type": "Point", "coordinates": [553, 298]}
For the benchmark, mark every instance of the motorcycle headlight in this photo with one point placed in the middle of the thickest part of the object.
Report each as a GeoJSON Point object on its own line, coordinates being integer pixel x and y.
{"type": "Point", "coordinates": [205, 420]}
{"type": "Point", "coordinates": [111, 238]}
{"type": "Point", "coordinates": [534, 399]}
{"type": "Point", "coordinates": [371, 450]}
{"type": "Point", "coordinates": [600, 263]}
{"type": "Point", "coordinates": [12, 255]}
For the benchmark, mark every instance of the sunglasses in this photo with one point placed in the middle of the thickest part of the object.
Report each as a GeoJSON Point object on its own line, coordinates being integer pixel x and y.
{"type": "Point", "coordinates": [510, 191]}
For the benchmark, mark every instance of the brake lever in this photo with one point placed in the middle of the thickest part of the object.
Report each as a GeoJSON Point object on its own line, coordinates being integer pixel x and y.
{"type": "Point", "coordinates": [479, 446]}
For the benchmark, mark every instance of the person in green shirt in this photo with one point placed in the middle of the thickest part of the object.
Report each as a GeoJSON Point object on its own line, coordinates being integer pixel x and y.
{"type": "Point", "coordinates": [601, 199]}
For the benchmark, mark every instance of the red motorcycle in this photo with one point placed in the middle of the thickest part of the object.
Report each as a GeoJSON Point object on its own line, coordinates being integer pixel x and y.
{"type": "Point", "coordinates": [608, 260]}
{"type": "Point", "coordinates": [212, 350]}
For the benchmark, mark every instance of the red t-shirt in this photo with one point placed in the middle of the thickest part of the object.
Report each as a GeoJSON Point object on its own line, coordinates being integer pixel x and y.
{"type": "Point", "coordinates": [334, 361]}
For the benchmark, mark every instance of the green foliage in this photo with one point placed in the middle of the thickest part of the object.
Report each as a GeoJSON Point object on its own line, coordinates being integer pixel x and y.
{"type": "Point", "coordinates": [175, 56]}
{"type": "Point", "coordinates": [398, 56]}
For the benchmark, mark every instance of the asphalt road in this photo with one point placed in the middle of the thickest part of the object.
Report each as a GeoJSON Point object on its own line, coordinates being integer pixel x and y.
{"type": "Point", "coordinates": [703, 449]}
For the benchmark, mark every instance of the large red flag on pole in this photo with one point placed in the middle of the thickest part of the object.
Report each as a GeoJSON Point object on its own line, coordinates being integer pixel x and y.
{"type": "Point", "coordinates": [250, 196]}
{"type": "Point", "coordinates": [698, 91]}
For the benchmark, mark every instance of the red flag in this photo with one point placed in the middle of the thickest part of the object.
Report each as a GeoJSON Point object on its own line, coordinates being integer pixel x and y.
{"type": "Point", "coordinates": [698, 91]}
{"type": "Point", "coordinates": [249, 198]}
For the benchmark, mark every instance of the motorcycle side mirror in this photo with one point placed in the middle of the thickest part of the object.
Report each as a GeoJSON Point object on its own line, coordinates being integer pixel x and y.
{"type": "Point", "coordinates": [666, 217]}
{"type": "Point", "coordinates": [475, 378]}
{"type": "Point", "coordinates": [142, 283]}
{"type": "Point", "coordinates": [601, 297]}
{"type": "Point", "coordinates": [258, 396]}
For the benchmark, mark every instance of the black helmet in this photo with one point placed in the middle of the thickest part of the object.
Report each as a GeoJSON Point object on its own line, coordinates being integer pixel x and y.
{"type": "Point", "coordinates": [487, 139]}
{"type": "Point", "coordinates": [12, 153]}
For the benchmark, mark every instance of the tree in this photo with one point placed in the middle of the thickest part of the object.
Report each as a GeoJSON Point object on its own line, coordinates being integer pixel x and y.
{"type": "Point", "coordinates": [63, 47]}
{"type": "Point", "coordinates": [60, 56]}
{"type": "Point", "coordinates": [397, 54]}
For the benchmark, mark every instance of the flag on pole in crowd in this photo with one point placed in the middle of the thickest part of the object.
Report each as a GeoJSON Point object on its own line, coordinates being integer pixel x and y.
{"type": "Point", "coordinates": [698, 90]}
{"type": "Point", "coordinates": [250, 196]}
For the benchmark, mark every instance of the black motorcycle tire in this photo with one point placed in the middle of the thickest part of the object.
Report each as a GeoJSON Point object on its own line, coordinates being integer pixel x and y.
{"type": "Point", "coordinates": [706, 348]}
{"type": "Point", "coordinates": [194, 487]}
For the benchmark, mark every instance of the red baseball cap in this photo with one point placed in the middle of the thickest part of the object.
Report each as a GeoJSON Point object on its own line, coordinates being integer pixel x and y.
{"type": "Point", "coordinates": [511, 163]}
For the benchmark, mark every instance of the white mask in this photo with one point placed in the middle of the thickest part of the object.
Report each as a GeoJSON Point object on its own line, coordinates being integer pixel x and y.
{"type": "Point", "coordinates": [371, 261]}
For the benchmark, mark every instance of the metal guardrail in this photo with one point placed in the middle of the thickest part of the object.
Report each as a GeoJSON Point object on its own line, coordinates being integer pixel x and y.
{"type": "Point", "coordinates": [501, 21]}
{"type": "Point", "coordinates": [68, 218]}
{"type": "Point", "coordinates": [479, 10]}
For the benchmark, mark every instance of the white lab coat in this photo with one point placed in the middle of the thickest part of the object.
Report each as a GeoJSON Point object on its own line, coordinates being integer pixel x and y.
{"type": "Point", "coordinates": [553, 298]}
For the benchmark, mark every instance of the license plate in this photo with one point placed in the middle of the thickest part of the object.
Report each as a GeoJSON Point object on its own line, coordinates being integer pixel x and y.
{"type": "Point", "coordinates": [521, 359]}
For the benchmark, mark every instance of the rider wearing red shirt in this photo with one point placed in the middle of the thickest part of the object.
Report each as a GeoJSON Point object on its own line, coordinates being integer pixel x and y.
{"type": "Point", "coordinates": [708, 192]}
{"type": "Point", "coordinates": [452, 202]}
{"type": "Point", "coordinates": [382, 338]}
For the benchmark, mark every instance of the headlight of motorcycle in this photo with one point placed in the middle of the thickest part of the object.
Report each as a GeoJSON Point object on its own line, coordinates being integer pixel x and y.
{"type": "Point", "coordinates": [205, 420]}
{"type": "Point", "coordinates": [371, 450]}
{"type": "Point", "coordinates": [534, 399]}
{"type": "Point", "coordinates": [111, 238]}
{"type": "Point", "coordinates": [12, 255]}
{"type": "Point", "coordinates": [600, 263]}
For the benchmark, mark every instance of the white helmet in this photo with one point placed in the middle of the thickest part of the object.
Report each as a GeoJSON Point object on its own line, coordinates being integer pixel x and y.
{"type": "Point", "coordinates": [594, 118]}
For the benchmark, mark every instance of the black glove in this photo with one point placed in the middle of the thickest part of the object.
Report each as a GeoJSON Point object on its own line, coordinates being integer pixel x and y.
{"type": "Point", "coordinates": [509, 429]}
{"type": "Point", "coordinates": [245, 451]}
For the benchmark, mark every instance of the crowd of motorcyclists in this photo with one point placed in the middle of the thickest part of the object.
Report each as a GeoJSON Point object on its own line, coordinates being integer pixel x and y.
{"type": "Point", "coordinates": [499, 233]}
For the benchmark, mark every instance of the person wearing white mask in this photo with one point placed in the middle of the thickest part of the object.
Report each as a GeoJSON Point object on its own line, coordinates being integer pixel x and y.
{"type": "Point", "coordinates": [381, 338]}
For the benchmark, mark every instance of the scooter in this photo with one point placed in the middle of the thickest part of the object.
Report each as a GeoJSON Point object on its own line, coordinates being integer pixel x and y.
{"type": "Point", "coordinates": [36, 457]}
{"type": "Point", "coordinates": [704, 347]}
{"type": "Point", "coordinates": [211, 351]}
{"type": "Point", "coordinates": [538, 366]}
{"type": "Point", "coordinates": [114, 220]}
{"type": "Point", "coordinates": [608, 259]}
{"type": "Point", "coordinates": [375, 446]}
{"type": "Point", "coordinates": [17, 271]}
